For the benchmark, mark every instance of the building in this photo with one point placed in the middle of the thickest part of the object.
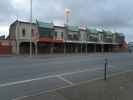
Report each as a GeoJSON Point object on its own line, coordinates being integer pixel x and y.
{"type": "Point", "coordinates": [48, 38]}
{"type": "Point", "coordinates": [130, 46]}
{"type": "Point", "coordinates": [5, 47]}
{"type": "Point", "coordinates": [2, 37]}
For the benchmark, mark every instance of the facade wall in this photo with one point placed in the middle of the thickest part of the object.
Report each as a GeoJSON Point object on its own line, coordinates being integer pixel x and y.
{"type": "Point", "coordinates": [60, 33]}
{"type": "Point", "coordinates": [5, 47]}
{"type": "Point", "coordinates": [74, 40]}
{"type": "Point", "coordinates": [12, 32]}
{"type": "Point", "coordinates": [14, 47]}
{"type": "Point", "coordinates": [5, 50]}
{"type": "Point", "coordinates": [94, 37]}
{"type": "Point", "coordinates": [100, 37]}
{"type": "Point", "coordinates": [24, 31]}
{"type": "Point", "coordinates": [73, 36]}
{"type": "Point", "coordinates": [21, 31]}
{"type": "Point", "coordinates": [83, 35]}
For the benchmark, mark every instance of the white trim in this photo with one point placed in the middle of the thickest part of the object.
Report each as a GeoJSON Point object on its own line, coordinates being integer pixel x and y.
{"type": "Point", "coordinates": [89, 42]}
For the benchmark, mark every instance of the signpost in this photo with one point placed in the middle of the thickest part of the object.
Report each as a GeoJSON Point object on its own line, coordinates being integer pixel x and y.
{"type": "Point", "coordinates": [105, 69]}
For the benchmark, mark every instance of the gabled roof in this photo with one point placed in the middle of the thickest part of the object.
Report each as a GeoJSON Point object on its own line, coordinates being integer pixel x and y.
{"type": "Point", "coordinates": [21, 22]}
{"type": "Point", "coordinates": [45, 25]}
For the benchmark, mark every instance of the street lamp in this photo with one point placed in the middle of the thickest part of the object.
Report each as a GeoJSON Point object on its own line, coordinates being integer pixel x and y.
{"type": "Point", "coordinates": [67, 14]}
{"type": "Point", "coordinates": [30, 27]}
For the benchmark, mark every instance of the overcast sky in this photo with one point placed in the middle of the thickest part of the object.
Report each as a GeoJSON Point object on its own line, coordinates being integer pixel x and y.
{"type": "Point", "coordinates": [115, 15]}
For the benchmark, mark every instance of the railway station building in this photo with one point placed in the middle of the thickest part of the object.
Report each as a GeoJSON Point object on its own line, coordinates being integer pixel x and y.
{"type": "Point", "coordinates": [48, 38]}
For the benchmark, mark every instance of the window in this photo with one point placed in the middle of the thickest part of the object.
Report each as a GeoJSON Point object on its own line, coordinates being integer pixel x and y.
{"type": "Point", "coordinates": [55, 34]}
{"type": "Point", "coordinates": [23, 32]}
{"type": "Point", "coordinates": [32, 31]}
{"type": "Point", "coordinates": [62, 34]}
{"type": "Point", "coordinates": [88, 36]}
{"type": "Point", "coordinates": [45, 32]}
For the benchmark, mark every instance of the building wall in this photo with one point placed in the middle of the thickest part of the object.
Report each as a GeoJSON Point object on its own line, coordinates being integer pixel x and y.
{"type": "Point", "coordinates": [5, 47]}
{"type": "Point", "coordinates": [100, 37]}
{"type": "Point", "coordinates": [14, 45]}
{"type": "Point", "coordinates": [76, 40]}
{"type": "Point", "coordinates": [73, 36]}
{"type": "Point", "coordinates": [83, 35]}
{"type": "Point", "coordinates": [12, 31]}
{"type": "Point", "coordinates": [94, 37]}
{"type": "Point", "coordinates": [60, 33]}
{"type": "Point", "coordinates": [21, 31]}
{"type": "Point", "coordinates": [24, 32]}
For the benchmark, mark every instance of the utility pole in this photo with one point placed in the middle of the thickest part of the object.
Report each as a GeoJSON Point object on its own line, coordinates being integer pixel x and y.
{"type": "Point", "coordinates": [30, 27]}
{"type": "Point", "coordinates": [67, 14]}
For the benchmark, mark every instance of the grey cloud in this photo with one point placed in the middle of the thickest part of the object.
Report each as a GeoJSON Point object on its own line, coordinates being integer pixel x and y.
{"type": "Point", "coordinates": [8, 13]}
{"type": "Point", "coordinates": [5, 11]}
{"type": "Point", "coordinates": [113, 14]}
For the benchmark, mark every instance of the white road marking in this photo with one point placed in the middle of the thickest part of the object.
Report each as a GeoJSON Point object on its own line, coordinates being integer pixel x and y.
{"type": "Point", "coordinates": [46, 77]}
{"type": "Point", "coordinates": [81, 71]}
{"type": "Point", "coordinates": [83, 82]}
{"type": "Point", "coordinates": [65, 80]}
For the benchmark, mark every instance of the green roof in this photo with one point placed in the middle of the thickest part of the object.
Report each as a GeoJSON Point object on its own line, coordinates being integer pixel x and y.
{"type": "Point", "coordinates": [119, 34]}
{"type": "Point", "coordinates": [109, 32]}
{"type": "Point", "coordinates": [45, 25]}
{"type": "Point", "coordinates": [73, 28]}
{"type": "Point", "coordinates": [92, 30]}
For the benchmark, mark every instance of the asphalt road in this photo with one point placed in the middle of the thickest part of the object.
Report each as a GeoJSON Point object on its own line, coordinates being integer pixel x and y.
{"type": "Point", "coordinates": [25, 76]}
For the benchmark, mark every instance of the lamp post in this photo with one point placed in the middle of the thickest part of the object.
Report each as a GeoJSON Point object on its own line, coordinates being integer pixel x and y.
{"type": "Point", "coordinates": [102, 39]}
{"type": "Point", "coordinates": [67, 14]}
{"type": "Point", "coordinates": [30, 27]}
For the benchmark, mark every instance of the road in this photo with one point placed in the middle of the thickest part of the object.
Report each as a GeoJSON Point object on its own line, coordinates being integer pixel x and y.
{"type": "Point", "coordinates": [24, 76]}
